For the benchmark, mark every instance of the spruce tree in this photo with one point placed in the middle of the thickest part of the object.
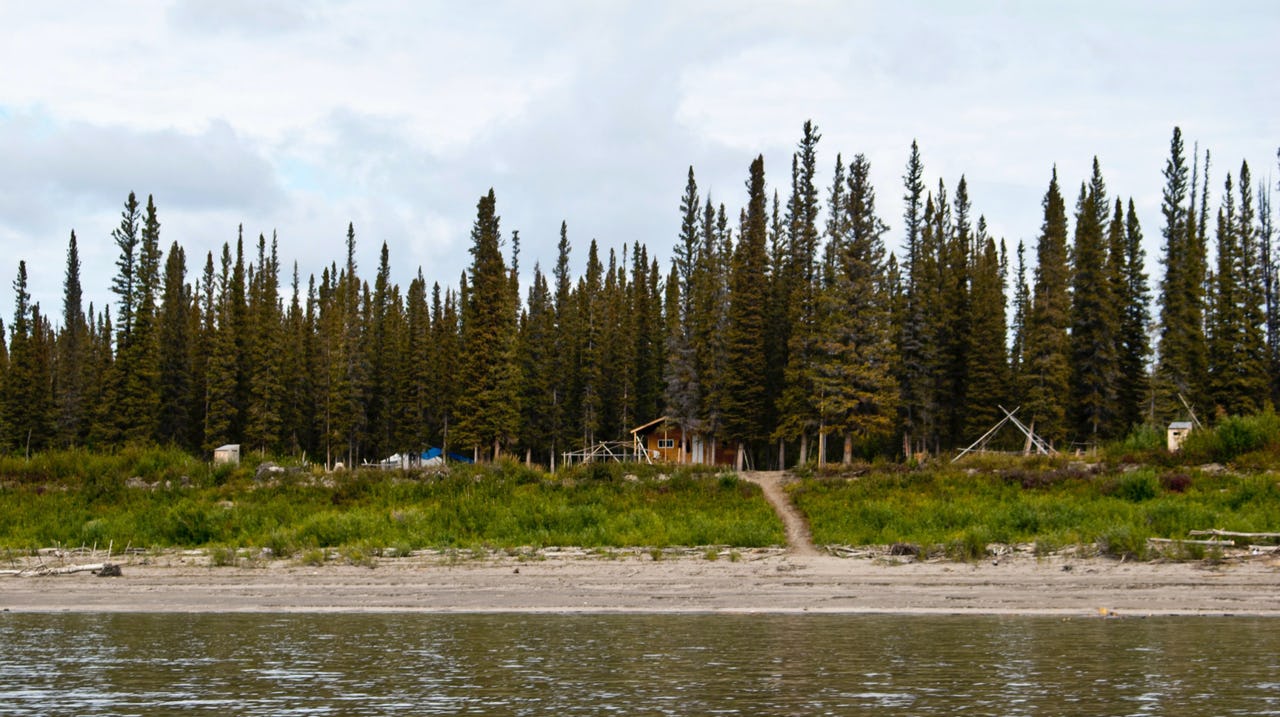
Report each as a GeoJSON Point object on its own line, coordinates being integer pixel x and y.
{"type": "Point", "coordinates": [1046, 369]}
{"type": "Point", "coordinates": [537, 362]}
{"type": "Point", "coordinates": [564, 420]}
{"type": "Point", "coordinates": [913, 364]}
{"type": "Point", "coordinates": [73, 355]}
{"type": "Point", "coordinates": [682, 389]}
{"type": "Point", "coordinates": [744, 396]}
{"type": "Point", "coordinates": [137, 366]}
{"type": "Point", "coordinates": [1225, 322]}
{"type": "Point", "coordinates": [126, 239]}
{"type": "Point", "coordinates": [1182, 351]}
{"type": "Point", "coordinates": [1253, 379]}
{"type": "Point", "coordinates": [173, 424]}
{"type": "Point", "coordinates": [590, 325]}
{"type": "Point", "coordinates": [988, 370]}
{"type": "Point", "coordinates": [265, 352]}
{"type": "Point", "coordinates": [797, 411]}
{"type": "Point", "coordinates": [1094, 319]}
{"type": "Point", "coordinates": [1132, 344]}
{"type": "Point", "coordinates": [488, 406]}
{"type": "Point", "coordinates": [857, 391]}
{"type": "Point", "coordinates": [27, 397]}
{"type": "Point", "coordinates": [221, 382]}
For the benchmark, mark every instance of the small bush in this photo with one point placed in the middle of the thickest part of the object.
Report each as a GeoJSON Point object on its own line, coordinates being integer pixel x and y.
{"type": "Point", "coordinates": [1123, 541]}
{"type": "Point", "coordinates": [1146, 437]}
{"type": "Point", "coordinates": [314, 557]}
{"type": "Point", "coordinates": [1175, 482]}
{"type": "Point", "coordinates": [1137, 486]}
{"type": "Point", "coordinates": [970, 546]}
{"type": "Point", "coordinates": [224, 556]}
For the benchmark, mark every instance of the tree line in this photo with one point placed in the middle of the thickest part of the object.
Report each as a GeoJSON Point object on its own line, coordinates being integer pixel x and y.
{"type": "Point", "coordinates": [789, 335]}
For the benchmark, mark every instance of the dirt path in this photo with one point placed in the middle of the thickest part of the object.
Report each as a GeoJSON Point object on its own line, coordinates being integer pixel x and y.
{"type": "Point", "coordinates": [799, 542]}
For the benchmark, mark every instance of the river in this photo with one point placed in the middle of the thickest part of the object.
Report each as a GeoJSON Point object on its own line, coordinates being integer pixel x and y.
{"type": "Point", "coordinates": [520, 664]}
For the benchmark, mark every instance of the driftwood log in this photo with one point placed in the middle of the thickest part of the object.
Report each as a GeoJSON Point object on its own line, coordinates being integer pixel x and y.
{"type": "Point", "coordinates": [1232, 534]}
{"type": "Point", "coordinates": [103, 570]}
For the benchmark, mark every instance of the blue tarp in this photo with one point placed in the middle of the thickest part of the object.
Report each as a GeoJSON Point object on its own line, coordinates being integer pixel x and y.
{"type": "Point", "coordinates": [436, 453]}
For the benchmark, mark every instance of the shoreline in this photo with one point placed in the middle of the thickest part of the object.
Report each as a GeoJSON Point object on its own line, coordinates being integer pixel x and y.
{"type": "Point", "coordinates": [761, 581]}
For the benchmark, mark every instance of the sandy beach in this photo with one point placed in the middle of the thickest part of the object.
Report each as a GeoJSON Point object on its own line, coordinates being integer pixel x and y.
{"type": "Point", "coordinates": [633, 581]}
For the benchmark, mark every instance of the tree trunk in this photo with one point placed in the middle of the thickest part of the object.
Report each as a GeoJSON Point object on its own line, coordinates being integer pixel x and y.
{"type": "Point", "coordinates": [782, 454]}
{"type": "Point", "coordinates": [848, 449]}
{"type": "Point", "coordinates": [804, 448]}
{"type": "Point", "coordinates": [741, 459]}
{"type": "Point", "coordinates": [822, 449]}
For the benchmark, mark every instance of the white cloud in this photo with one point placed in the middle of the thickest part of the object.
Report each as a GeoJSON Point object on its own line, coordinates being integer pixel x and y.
{"type": "Point", "coordinates": [302, 117]}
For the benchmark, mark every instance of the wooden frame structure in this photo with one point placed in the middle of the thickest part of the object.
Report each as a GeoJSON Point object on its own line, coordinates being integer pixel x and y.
{"type": "Point", "coordinates": [1034, 442]}
{"type": "Point", "coordinates": [617, 451]}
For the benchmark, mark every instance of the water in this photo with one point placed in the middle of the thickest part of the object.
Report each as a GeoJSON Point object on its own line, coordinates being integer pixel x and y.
{"type": "Point", "coordinates": [509, 664]}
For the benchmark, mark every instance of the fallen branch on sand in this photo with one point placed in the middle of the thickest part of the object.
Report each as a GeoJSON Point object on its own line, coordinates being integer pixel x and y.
{"type": "Point", "coordinates": [35, 571]}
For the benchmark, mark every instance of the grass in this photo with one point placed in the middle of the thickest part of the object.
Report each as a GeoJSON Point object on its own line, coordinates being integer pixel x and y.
{"type": "Point", "coordinates": [164, 498]}
{"type": "Point", "coordinates": [74, 498]}
{"type": "Point", "coordinates": [1049, 504]}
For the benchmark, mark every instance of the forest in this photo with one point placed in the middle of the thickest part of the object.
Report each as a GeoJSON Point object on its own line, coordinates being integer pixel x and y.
{"type": "Point", "coordinates": [788, 332]}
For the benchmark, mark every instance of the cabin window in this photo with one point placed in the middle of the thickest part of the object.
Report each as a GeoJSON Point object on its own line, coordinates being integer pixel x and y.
{"type": "Point", "coordinates": [666, 443]}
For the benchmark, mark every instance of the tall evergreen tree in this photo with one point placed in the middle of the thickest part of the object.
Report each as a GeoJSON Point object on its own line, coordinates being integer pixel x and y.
{"type": "Point", "coordinates": [914, 376]}
{"type": "Point", "coordinates": [488, 410]}
{"type": "Point", "coordinates": [27, 397]}
{"type": "Point", "coordinates": [126, 239]}
{"type": "Point", "coordinates": [857, 390]}
{"type": "Point", "coordinates": [1254, 379]}
{"type": "Point", "coordinates": [265, 353]}
{"type": "Point", "coordinates": [1046, 363]}
{"type": "Point", "coordinates": [72, 369]}
{"type": "Point", "coordinates": [682, 394]}
{"type": "Point", "coordinates": [797, 412]}
{"type": "Point", "coordinates": [744, 376]}
{"type": "Point", "coordinates": [221, 383]}
{"type": "Point", "coordinates": [175, 382]}
{"type": "Point", "coordinates": [1182, 349]}
{"type": "Point", "coordinates": [138, 360]}
{"type": "Point", "coordinates": [563, 419]}
{"type": "Point", "coordinates": [1132, 344]}
{"type": "Point", "coordinates": [1094, 319]}
{"type": "Point", "coordinates": [988, 369]}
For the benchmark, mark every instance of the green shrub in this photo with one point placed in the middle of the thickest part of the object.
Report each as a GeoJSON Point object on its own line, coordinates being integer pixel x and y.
{"type": "Point", "coordinates": [1123, 541]}
{"type": "Point", "coordinates": [1137, 486]}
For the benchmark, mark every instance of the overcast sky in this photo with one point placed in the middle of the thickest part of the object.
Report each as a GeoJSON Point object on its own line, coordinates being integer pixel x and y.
{"type": "Point", "coordinates": [300, 117]}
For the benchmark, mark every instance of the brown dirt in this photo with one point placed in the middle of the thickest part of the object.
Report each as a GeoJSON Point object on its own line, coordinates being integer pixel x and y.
{"type": "Point", "coordinates": [799, 540]}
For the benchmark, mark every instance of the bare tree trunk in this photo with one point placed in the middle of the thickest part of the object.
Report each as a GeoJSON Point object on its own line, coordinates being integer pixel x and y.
{"type": "Point", "coordinates": [742, 456]}
{"type": "Point", "coordinates": [848, 448]}
{"type": "Point", "coordinates": [782, 454]}
{"type": "Point", "coordinates": [804, 448]}
{"type": "Point", "coordinates": [822, 449]}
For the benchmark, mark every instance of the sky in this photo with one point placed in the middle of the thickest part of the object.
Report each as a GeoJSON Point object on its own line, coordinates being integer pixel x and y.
{"type": "Point", "coordinates": [300, 117]}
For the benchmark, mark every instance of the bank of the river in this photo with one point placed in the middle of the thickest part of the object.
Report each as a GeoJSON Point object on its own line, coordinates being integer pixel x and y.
{"type": "Point", "coordinates": [769, 580]}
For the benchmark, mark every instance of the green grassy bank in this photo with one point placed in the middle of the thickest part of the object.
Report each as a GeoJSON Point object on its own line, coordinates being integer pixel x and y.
{"type": "Point", "coordinates": [156, 498]}
{"type": "Point", "coordinates": [1053, 505]}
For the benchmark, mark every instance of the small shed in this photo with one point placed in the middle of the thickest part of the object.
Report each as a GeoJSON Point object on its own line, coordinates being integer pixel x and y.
{"type": "Point", "coordinates": [1176, 434]}
{"type": "Point", "coordinates": [229, 453]}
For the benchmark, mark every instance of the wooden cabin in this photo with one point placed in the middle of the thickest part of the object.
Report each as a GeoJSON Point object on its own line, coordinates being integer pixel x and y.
{"type": "Point", "coordinates": [666, 442]}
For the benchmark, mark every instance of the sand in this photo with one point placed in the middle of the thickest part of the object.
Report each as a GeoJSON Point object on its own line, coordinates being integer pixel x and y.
{"type": "Point", "coordinates": [774, 581]}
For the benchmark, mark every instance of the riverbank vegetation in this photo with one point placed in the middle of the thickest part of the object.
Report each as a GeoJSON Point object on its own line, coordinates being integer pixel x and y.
{"type": "Point", "coordinates": [1134, 490]}
{"type": "Point", "coordinates": [1113, 502]}
{"type": "Point", "coordinates": [163, 498]}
